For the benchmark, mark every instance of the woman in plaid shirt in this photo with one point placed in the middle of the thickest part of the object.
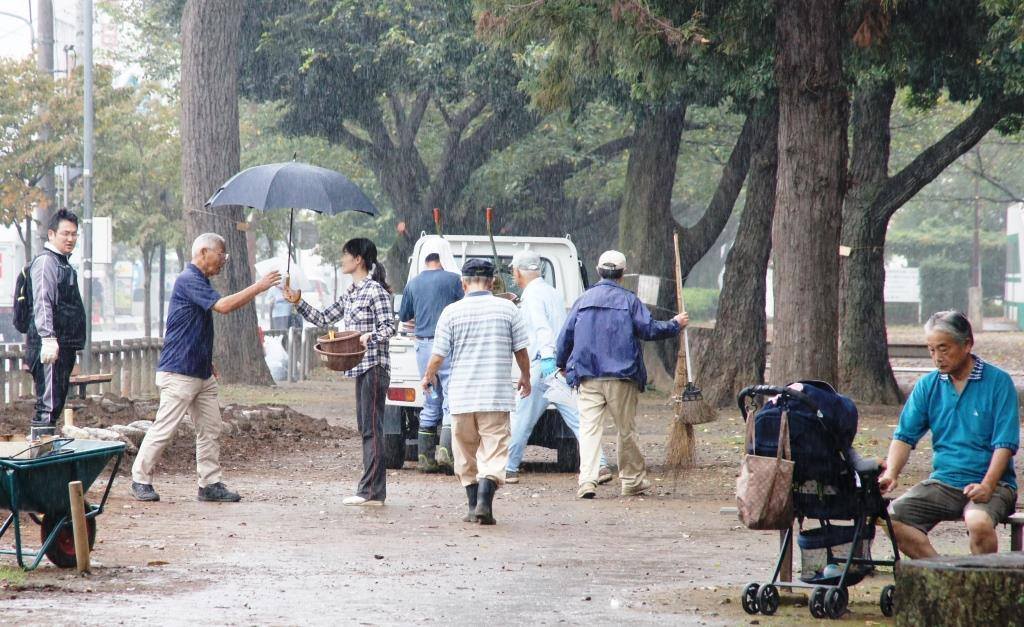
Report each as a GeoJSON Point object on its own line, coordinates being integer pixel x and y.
{"type": "Point", "coordinates": [365, 307]}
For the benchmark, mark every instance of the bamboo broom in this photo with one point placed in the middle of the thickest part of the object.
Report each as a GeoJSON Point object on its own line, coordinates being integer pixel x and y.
{"type": "Point", "coordinates": [690, 406]}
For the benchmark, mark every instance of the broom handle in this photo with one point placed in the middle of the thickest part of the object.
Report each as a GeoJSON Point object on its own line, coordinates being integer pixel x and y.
{"type": "Point", "coordinates": [679, 302]}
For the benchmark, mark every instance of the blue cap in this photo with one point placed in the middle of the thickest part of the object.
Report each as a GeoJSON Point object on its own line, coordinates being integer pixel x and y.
{"type": "Point", "coordinates": [478, 267]}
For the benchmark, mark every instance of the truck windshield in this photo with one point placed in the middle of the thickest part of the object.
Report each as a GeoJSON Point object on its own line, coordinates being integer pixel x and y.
{"type": "Point", "coordinates": [547, 271]}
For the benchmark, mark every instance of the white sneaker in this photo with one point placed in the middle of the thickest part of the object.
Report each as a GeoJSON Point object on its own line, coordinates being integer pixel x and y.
{"type": "Point", "coordinates": [358, 500]}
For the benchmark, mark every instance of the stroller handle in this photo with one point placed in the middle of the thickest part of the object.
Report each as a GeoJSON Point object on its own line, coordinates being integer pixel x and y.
{"type": "Point", "coordinates": [772, 390]}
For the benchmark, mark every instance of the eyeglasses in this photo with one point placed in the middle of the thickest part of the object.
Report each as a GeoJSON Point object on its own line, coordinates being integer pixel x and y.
{"type": "Point", "coordinates": [226, 256]}
{"type": "Point", "coordinates": [68, 234]}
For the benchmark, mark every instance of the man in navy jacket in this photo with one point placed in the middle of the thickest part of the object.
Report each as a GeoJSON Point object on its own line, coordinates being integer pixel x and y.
{"type": "Point", "coordinates": [599, 350]}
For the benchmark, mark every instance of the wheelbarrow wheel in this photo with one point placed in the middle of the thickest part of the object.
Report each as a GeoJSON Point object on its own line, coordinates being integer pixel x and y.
{"type": "Point", "coordinates": [62, 551]}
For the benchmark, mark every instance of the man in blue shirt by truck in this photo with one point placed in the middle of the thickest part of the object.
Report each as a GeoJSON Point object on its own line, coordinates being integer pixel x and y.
{"type": "Point", "coordinates": [425, 295]}
{"type": "Point", "coordinates": [599, 349]}
{"type": "Point", "coordinates": [971, 408]}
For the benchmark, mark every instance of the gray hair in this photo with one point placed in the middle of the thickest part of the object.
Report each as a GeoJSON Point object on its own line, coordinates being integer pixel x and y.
{"type": "Point", "coordinates": [529, 274]}
{"type": "Point", "coordinates": [208, 241]}
{"type": "Point", "coordinates": [486, 282]}
{"type": "Point", "coordinates": [952, 323]}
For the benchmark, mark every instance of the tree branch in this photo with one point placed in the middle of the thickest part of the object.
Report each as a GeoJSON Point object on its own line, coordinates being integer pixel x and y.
{"type": "Point", "coordinates": [419, 107]}
{"type": "Point", "coordinates": [902, 186]}
{"type": "Point", "coordinates": [398, 110]}
{"type": "Point", "coordinates": [1012, 194]}
{"type": "Point", "coordinates": [699, 238]}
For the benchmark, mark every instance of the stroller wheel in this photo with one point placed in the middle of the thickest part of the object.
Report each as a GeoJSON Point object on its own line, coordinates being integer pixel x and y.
{"type": "Point", "coordinates": [768, 599]}
{"type": "Point", "coordinates": [835, 602]}
{"type": "Point", "coordinates": [817, 602]}
{"type": "Point", "coordinates": [749, 600]}
{"type": "Point", "coordinates": [886, 602]}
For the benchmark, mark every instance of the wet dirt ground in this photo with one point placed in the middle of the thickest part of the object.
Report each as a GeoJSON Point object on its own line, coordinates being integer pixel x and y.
{"type": "Point", "coordinates": [290, 553]}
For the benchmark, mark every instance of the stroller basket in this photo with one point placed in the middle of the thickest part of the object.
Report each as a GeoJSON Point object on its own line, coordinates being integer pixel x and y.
{"type": "Point", "coordinates": [824, 549]}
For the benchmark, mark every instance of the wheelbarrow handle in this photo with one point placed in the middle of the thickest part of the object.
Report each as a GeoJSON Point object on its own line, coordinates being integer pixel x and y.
{"type": "Point", "coordinates": [56, 443]}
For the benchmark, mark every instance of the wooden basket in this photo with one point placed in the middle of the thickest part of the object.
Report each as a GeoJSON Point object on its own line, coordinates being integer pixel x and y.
{"type": "Point", "coordinates": [340, 362]}
{"type": "Point", "coordinates": [343, 343]}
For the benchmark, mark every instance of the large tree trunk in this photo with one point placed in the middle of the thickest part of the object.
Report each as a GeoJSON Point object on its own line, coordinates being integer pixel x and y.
{"type": "Point", "coordinates": [210, 155]}
{"type": "Point", "coordinates": [864, 368]}
{"type": "Point", "coordinates": [813, 112]}
{"type": "Point", "coordinates": [734, 356]}
{"type": "Point", "coordinates": [867, 374]}
{"type": "Point", "coordinates": [645, 217]}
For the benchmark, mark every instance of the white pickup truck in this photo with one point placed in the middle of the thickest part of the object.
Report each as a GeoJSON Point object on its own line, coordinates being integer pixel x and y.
{"type": "Point", "coordinates": [561, 268]}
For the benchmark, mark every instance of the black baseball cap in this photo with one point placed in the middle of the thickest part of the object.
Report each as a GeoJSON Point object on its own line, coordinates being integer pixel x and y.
{"type": "Point", "coordinates": [478, 267]}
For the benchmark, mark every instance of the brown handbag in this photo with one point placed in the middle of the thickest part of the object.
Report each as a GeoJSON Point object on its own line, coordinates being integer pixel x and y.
{"type": "Point", "coordinates": [764, 489]}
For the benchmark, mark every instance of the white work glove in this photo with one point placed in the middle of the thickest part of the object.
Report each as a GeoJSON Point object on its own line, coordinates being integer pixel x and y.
{"type": "Point", "coordinates": [48, 352]}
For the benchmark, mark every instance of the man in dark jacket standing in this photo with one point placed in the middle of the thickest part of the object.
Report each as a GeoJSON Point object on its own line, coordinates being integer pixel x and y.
{"type": "Point", "coordinates": [56, 330]}
{"type": "Point", "coordinates": [599, 350]}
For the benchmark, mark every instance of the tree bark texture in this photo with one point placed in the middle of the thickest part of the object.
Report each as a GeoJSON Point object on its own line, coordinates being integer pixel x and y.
{"type": "Point", "coordinates": [645, 217]}
{"type": "Point", "coordinates": [965, 590]}
{"type": "Point", "coordinates": [210, 155]}
{"type": "Point", "coordinates": [864, 369]}
{"type": "Point", "coordinates": [734, 356]}
{"type": "Point", "coordinates": [873, 199]}
{"type": "Point", "coordinates": [813, 114]}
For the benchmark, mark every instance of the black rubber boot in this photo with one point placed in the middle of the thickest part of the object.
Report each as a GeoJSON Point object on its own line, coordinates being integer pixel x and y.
{"type": "Point", "coordinates": [484, 501]}
{"type": "Point", "coordinates": [471, 499]}
{"type": "Point", "coordinates": [427, 445]}
{"type": "Point", "coordinates": [445, 457]}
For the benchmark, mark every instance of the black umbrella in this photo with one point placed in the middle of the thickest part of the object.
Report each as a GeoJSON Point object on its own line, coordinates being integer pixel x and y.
{"type": "Point", "coordinates": [292, 186]}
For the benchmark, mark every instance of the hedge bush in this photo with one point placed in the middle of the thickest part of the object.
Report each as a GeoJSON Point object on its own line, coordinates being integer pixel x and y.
{"type": "Point", "coordinates": [944, 285]}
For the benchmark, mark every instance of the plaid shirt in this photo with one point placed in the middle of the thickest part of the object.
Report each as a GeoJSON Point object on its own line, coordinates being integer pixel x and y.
{"type": "Point", "coordinates": [365, 307]}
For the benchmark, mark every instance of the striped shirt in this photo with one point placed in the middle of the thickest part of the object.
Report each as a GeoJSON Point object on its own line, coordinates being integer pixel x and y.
{"type": "Point", "coordinates": [365, 307]}
{"type": "Point", "coordinates": [480, 333]}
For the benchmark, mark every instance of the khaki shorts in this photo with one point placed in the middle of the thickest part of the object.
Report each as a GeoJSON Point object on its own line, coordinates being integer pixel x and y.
{"type": "Point", "coordinates": [931, 502]}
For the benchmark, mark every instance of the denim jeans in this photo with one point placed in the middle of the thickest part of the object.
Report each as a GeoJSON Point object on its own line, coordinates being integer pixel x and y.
{"type": "Point", "coordinates": [435, 410]}
{"type": "Point", "coordinates": [528, 412]}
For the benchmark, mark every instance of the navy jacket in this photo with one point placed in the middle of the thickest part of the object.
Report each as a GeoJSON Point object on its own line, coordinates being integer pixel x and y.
{"type": "Point", "coordinates": [602, 333]}
{"type": "Point", "coordinates": [57, 309]}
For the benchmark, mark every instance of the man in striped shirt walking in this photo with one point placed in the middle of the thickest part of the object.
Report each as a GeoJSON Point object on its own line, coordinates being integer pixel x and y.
{"type": "Point", "coordinates": [480, 334]}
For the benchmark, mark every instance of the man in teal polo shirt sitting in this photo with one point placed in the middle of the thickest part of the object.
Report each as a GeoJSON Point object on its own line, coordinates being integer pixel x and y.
{"type": "Point", "coordinates": [971, 408]}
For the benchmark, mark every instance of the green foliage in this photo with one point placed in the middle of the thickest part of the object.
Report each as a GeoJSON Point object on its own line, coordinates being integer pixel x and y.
{"type": "Point", "coordinates": [944, 284]}
{"type": "Point", "coordinates": [138, 161]}
{"type": "Point", "coordinates": [701, 302]}
{"type": "Point", "coordinates": [30, 102]}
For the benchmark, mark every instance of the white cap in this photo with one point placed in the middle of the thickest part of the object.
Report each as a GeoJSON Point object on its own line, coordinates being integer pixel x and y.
{"type": "Point", "coordinates": [526, 260]}
{"type": "Point", "coordinates": [612, 260]}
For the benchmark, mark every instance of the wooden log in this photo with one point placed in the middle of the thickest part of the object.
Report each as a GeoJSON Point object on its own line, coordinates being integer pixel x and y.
{"type": "Point", "coordinates": [5, 396]}
{"type": "Point", "coordinates": [78, 526]}
{"type": "Point", "coordinates": [103, 360]}
{"type": "Point", "coordinates": [116, 369]}
{"type": "Point", "coordinates": [961, 590]}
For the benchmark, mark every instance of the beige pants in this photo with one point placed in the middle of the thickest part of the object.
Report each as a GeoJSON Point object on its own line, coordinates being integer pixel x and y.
{"type": "Point", "coordinates": [480, 440]}
{"type": "Point", "coordinates": [616, 399]}
{"type": "Point", "coordinates": [180, 394]}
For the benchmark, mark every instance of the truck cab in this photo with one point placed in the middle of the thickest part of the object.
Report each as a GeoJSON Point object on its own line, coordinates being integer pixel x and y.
{"type": "Point", "coordinates": [561, 267]}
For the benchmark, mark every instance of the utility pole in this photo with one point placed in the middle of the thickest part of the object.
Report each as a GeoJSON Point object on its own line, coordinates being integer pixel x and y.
{"type": "Point", "coordinates": [44, 63]}
{"type": "Point", "coordinates": [975, 298]}
{"type": "Point", "coordinates": [87, 183]}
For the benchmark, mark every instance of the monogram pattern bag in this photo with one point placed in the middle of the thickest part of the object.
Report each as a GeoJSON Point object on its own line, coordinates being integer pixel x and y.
{"type": "Point", "coordinates": [764, 489]}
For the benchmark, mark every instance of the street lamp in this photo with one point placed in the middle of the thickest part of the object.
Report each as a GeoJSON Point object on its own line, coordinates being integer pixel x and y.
{"type": "Point", "coordinates": [31, 27]}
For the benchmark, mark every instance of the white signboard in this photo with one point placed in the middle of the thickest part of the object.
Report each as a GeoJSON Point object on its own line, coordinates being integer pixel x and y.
{"type": "Point", "coordinates": [647, 289]}
{"type": "Point", "coordinates": [902, 285]}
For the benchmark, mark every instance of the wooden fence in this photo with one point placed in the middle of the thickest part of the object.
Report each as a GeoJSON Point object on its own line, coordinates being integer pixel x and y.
{"type": "Point", "coordinates": [131, 364]}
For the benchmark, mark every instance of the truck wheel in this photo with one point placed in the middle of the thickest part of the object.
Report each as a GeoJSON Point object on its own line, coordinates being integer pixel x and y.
{"type": "Point", "coordinates": [394, 450]}
{"type": "Point", "coordinates": [568, 455]}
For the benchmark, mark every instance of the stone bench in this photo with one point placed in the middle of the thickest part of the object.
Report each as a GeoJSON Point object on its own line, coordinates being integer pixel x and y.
{"type": "Point", "coordinates": [85, 380]}
{"type": "Point", "coordinates": [1016, 522]}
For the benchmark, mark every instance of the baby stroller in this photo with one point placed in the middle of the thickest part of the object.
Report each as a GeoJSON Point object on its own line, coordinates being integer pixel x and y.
{"type": "Point", "coordinates": [830, 483]}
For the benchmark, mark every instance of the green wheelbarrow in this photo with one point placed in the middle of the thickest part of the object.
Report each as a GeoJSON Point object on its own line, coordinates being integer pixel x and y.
{"type": "Point", "coordinates": [38, 486]}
